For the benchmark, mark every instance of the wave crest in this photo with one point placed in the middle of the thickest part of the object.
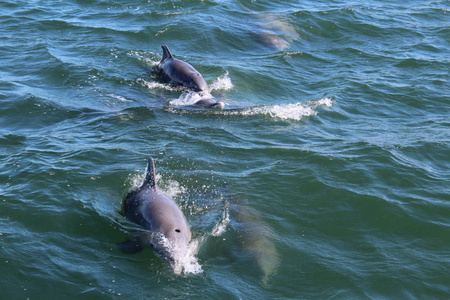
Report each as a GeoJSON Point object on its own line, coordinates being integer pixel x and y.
{"type": "Point", "coordinates": [292, 111]}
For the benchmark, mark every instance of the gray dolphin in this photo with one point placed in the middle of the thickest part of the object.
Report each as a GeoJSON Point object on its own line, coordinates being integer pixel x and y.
{"type": "Point", "coordinates": [166, 228]}
{"type": "Point", "coordinates": [209, 102]}
{"type": "Point", "coordinates": [257, 239]}
{"type": "Point", "coordinates": [179, 72]}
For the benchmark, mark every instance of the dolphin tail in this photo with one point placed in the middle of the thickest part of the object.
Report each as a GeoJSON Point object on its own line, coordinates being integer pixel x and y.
{"type": "Point", "coordinates": [150, 177]}
{"type": "Point", "coordinates": [166, 53]}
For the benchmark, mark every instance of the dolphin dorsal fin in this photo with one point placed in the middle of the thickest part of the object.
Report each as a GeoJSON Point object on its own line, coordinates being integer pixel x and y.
{"type": "Point", "coordinates": [166, 53]}
{"type": "Point", "coordinates": [150, 177]}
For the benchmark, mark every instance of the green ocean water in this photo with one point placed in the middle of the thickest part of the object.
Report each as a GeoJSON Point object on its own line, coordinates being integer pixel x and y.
{"type": "Point", "coordinates": [326, 176]}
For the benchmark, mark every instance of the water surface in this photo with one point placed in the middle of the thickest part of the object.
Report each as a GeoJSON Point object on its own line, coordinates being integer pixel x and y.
{"type": "Point", "coordinates": [326, 176]}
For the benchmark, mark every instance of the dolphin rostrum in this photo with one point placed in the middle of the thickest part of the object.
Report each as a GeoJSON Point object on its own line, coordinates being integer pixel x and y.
{"type": "Point", "coordinates": [166, 229]}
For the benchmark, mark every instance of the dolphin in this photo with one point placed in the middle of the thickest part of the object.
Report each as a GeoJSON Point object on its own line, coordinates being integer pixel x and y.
{"type": "Point", "coordinates": [180, 73]}
{"type": "Point", "coordinates": [256, 237]}
{"type": "Point", "coordinates": [166, 229]}
{"type": "Point", "coordinates": [252, 239]}
{"type": "Point", "coordinates": [210, 103]}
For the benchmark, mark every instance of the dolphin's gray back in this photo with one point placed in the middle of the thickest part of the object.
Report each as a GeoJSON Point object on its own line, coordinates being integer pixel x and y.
{"type": "Point", "coordinates": [180, 72]}
{"type": "Point", "coordinates": [151, 208]}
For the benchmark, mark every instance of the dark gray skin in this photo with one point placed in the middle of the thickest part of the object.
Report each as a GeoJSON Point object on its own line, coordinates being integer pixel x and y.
{"type": "Point", "coordinates": [166, 228]}
{"type": "Point", "coordinates": [180, 73]}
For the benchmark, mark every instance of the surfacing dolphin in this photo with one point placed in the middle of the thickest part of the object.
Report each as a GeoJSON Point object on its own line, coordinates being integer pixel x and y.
{"type": "Point", "coordinates": [166, 229]}
{"type": "Point", "coordinates": [178, 72]}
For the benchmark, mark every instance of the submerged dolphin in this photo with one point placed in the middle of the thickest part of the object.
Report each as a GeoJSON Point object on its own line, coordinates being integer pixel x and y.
{"type": "Point", "coordinates": [179, 72]}
{"type": "Point", "coordinates": [166, 228]}
{"type": "Point", "coordinates": [257, 239]}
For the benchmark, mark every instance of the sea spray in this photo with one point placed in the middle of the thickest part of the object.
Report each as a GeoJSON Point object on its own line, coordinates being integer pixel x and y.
{"type": "Point", "coordinates": [290, 111]}
{"type": "Point", "coordinates": [222, 83]}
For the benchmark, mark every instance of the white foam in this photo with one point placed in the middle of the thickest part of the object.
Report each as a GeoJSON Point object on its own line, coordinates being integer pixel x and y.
{"type": "Point", "coordinates": [142, 56]}
{"type": "Point", "coordinates": [151, 85]}
{"type": "Point", "coordinates": [327, 102]}
{"type": "Point", "coordinates": [222, 83]}
{"type": "Point", "coordinates": [284, 111]}
{"type": "Point", "coordinates": [136, 180]}
{"type": "Point", "coordinates": [171, 187]}
{"type": "Point", "coordinates": [292, 111]}
{"type": "Point", "coordinates": [118, 97]}
{"type": "Point", "coordinates": [184, 260]}
{"type": "Point", "coordinates": [188, 262]}
{"type": "Point", "coordinates": [189, 98]}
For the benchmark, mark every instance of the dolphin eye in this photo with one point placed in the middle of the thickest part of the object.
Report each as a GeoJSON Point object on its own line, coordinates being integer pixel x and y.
{"type": "Point", "coordinates": [177, 230]}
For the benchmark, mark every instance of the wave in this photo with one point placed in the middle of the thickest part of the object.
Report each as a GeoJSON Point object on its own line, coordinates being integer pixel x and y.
{"type": "Point", "coordinates": [294, 111]}
{"type": "Point", "coordinates": [291, 111]}
{"type": "Point", "coordinates": [222, 83]}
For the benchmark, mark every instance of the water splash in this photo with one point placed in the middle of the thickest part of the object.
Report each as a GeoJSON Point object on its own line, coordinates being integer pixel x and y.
{"type": "Point", "coordinates": [152, 85]}
{"type": "Point", "coordinates": [189, 98]}
{"type": "Point", "coordinates": [182, 260]}
{"type": "Point", "coordinates": [170, 187]}
{"type": "Point", "coordinates": [144, 57]}
{"type": "Point", "coordinates": [187, 262]}
{"type": "Point", "coordinates": [222, 225]}
{"type": "Point", "coordinates": [292, 111]}
{"type": "Point", "coordinates": [326, 102]}
{"type": "Point", "coordinates": [136, 180]}
{"type": "Point", "coordinates": [222, 83]}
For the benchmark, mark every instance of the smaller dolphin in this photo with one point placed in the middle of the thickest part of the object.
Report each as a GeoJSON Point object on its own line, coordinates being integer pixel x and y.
{"type": "Point", "coordinates": [166, 228]}
{"type": "Point", "coordinates": [180, 73]}
{"type": "Point", "coordinates": [210, 103]}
